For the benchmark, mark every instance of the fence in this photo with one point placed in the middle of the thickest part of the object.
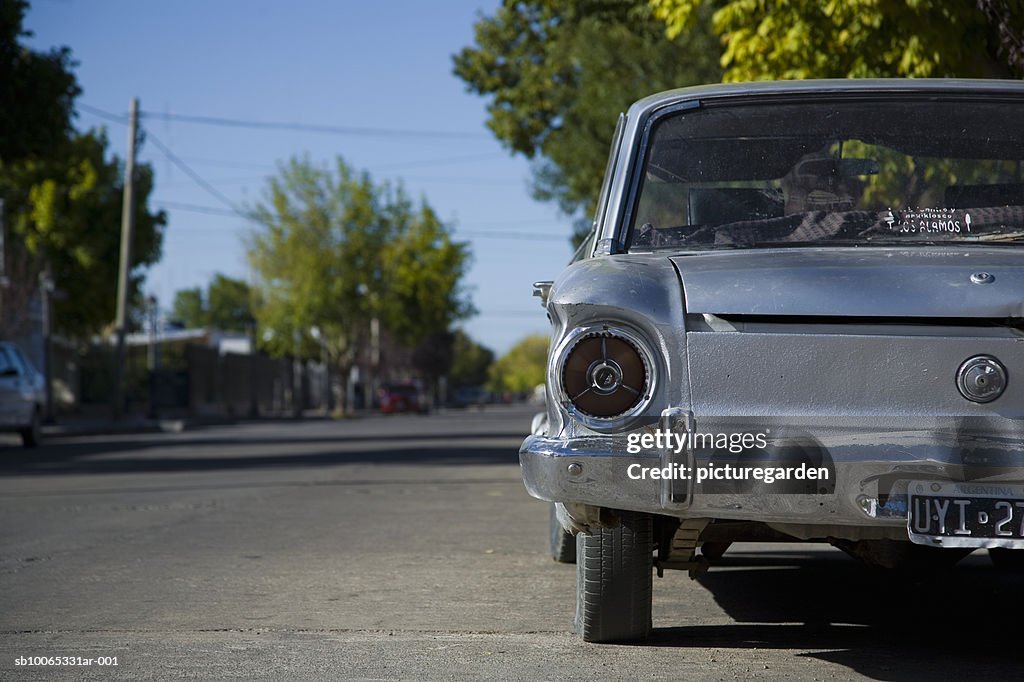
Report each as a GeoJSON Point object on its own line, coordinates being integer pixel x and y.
{"type": "Point", "coordinates": [193, 380]}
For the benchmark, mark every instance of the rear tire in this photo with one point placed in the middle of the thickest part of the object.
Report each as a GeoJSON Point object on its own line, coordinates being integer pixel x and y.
{"type": "Point", "coordinates": [32, 434]}
{"type": "Point", "coordinates": [613, 580]}
{"type": "Point", "coordinates": [563, 544]}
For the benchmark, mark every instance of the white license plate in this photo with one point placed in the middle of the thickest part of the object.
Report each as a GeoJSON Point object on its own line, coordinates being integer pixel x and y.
{"type": "Point", "coordinates": [945, 514]}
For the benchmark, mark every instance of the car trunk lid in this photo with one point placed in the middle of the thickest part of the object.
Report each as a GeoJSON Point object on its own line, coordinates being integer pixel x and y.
{"type": "Point", "coordinates": [922, 282]}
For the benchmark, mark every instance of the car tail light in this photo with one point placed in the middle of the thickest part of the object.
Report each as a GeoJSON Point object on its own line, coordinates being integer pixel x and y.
{"type": "Point", "coordinates": [606, 373]}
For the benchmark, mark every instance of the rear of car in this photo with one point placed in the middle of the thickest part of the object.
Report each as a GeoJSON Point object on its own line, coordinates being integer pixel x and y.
{"type": "Point", "coordinates": [21, 395]}
{"type": "Point", "coordinates": [800, 315]}
{"type": "Point", "coordinates": [398, 398]}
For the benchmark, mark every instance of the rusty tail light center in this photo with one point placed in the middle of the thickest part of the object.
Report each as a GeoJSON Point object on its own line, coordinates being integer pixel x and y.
{"type": "Point", "coordinates": [605, 374]}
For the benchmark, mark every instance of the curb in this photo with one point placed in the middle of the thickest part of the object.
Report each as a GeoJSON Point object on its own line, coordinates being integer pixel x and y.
{"type": "Point", "coordinates": [113, 429]}
{"type": "Point", "coordinates": [150, 426]}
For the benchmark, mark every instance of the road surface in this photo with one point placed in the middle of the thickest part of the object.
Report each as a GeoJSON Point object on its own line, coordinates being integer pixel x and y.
{"type": "Point", "coordinates": [406, 547]}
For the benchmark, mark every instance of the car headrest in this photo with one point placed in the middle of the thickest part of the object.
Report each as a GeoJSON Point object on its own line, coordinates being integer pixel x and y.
{"type": "Point", "coordinates": [978, 196]}
{"type": "Point", "coordinates": [718, 206]}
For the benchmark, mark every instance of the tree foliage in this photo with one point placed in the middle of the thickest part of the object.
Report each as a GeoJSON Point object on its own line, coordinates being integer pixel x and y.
{"type": "Point", "coordinates": [335, 250]}
{"type": "Point", "coordinates": [37, 90]}
{"type": "Point", "coordinates": [859, 38]}
{"type": "Point", "coordinates": [522, 367]}
{"type": "Point", "coordinates": [229, 304]}
{"type": "Point", "coordinates": [558, 73]}
{"type": "Point", "coordinates": [434, 355]}
{"type": "Point", "coordinates": [226, 305]}
{"type": "Point", "coordinates": [189, 308]}
{"type": "Point", "coordinates": [64, 212]}
{"type": "Point", "coordinates": [62, 194]}
{"type": "Point", "coordinates": [471, 361]}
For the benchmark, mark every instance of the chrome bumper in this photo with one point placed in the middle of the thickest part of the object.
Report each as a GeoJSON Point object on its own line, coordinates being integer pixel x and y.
{"type": "Point", "coordinates": [871, 469]}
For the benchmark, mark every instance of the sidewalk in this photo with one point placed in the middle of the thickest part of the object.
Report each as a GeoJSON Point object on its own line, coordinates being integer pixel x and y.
{"type": "Point", "coordinates": [71, 426]}
{"type": "Point", "coordinates": [76, 425]}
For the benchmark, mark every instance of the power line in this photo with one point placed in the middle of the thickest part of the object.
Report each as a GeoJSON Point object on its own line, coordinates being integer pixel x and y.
{"type": "Point", "coordinates": [203, 161]}
{"type": "Point", "coordinates": [173, 158]}
{"type": "Point", "coordinates": [528, 236]}
{"type": "Point", "coordinates": [235, 212]}
{"type": "Point", "coordinates": [480, 182]}
{"type": "Point", "coordinates": [309, 127]}
{"type": "Point", "coordinates": [284, 125]}
{"type": "Point", "coordinates": [423, 179]}
{"type": "Point", "coordinates": [426, 163]}
{"type": "Point", "coordinates": [376, 168]}
{"type": "Point", "coordinates": [178, 229]}
{"type": "Point", "coordinates": [185, 168]}
{"type": "Point", "coordinates": [213, 210]}
{"type": "Point", "coordinates": [195, 208]}
{"type": "Point", "coordinates": [419, 163]}
{"type": "Point", "coordinates": [508, 223]}
{"type": "Point", "coordinates": [116, 118]}
{"type": "Point", "coordinates": [539, 314]}
{"type": "Point", "coordinates": [220, 182]}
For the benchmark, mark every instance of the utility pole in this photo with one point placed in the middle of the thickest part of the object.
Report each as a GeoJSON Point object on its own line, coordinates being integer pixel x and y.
{"type": "Point", "coordinates": [373, 380]}
{"type": "Point", "coordinates": [153, 356]}
{"type": "Point", "coordinates": [127, 232]}
{"type": "Point", "coordinates": [46, 289]}
{"type": "Point", "coordinates": [254, 374]}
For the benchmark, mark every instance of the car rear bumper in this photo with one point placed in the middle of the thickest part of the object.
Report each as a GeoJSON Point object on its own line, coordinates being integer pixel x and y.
{"type": "Point", "coordinates": [869, 465]}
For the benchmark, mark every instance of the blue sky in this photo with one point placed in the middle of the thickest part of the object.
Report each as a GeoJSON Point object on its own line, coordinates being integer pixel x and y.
{"type": "Point", "coordinates": [343, 64]}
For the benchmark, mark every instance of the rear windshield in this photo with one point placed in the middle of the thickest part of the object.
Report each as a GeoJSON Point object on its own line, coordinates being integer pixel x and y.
{"type": "Point", "coordinates": [890, 171]}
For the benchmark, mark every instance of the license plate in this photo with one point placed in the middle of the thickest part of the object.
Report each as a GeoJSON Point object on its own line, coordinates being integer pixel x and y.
{"type": "Point", "coordinates": [966, 514]}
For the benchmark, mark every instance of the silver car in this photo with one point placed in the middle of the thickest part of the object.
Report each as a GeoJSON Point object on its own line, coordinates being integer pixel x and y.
{"type": "Point", "coordinates": [21, 395]}
{"type": "Point", "coordinates": [800, 315]}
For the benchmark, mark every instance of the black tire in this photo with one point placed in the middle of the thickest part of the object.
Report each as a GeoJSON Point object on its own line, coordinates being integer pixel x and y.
{"type": "Point", "coordinates": [1007, 559]}
{"type": "Point", "coordinates": [563, 544]}
{"type": "Point", "coordinates": [32, 434]}
{"type": "Point", "coordinates": [613, 580]}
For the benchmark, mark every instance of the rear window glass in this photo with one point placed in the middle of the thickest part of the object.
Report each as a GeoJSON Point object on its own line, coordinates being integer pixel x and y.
{"type": "Point", "coordinates": [905, 171]}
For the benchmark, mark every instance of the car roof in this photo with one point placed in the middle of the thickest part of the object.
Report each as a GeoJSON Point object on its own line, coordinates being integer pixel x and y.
{"type": "Point", "coordinates": [830, 86]}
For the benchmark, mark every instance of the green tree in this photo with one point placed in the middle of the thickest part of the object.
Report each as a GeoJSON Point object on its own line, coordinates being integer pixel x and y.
{"type": "Point", "coordinates": [335, 250]}
{"type": "Point", "coordinates": [859, 38]}
{"type": "Point", "coordinates": [470, 363]}
{"type": "Point", "coordinates": [433, 357]}
{"type": "Point", "coordinates": [522, 367]}
{"type": "Point", "coordinates": [226, 305]}
{"type": "Point", "coordinates": [558, 73]}
{"type": "Point", "coordinates": [420, 270]}
{"type": "Point", "coordinates": [229, 304]}
{"type": "Point", "coordinates": [37, 90]}
{"type": "Point", "coordinates": [64, 212]}
{"type": "Point", "coordinates": [189, 308]}
{"type": "Point", "coordinates": [62, 194]}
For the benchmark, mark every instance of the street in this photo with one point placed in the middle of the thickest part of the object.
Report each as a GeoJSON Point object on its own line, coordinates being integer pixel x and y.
{"type": "Point", "coordinates": [406, 547]}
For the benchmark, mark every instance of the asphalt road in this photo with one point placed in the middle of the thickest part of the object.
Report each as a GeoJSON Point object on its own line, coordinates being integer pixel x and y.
{"type": "Point", "coordinates": [406, 547]}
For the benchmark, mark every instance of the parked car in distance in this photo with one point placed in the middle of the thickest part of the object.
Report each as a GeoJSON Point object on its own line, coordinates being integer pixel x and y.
{"type": "Point", "coordinates": [395, 398]}
{"type": "Point", "coordinates": [799, 316]}
{"type": "Point", "coordinates": [470, 396]}
{"type": "Point", "coordinates": [22, 395]}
